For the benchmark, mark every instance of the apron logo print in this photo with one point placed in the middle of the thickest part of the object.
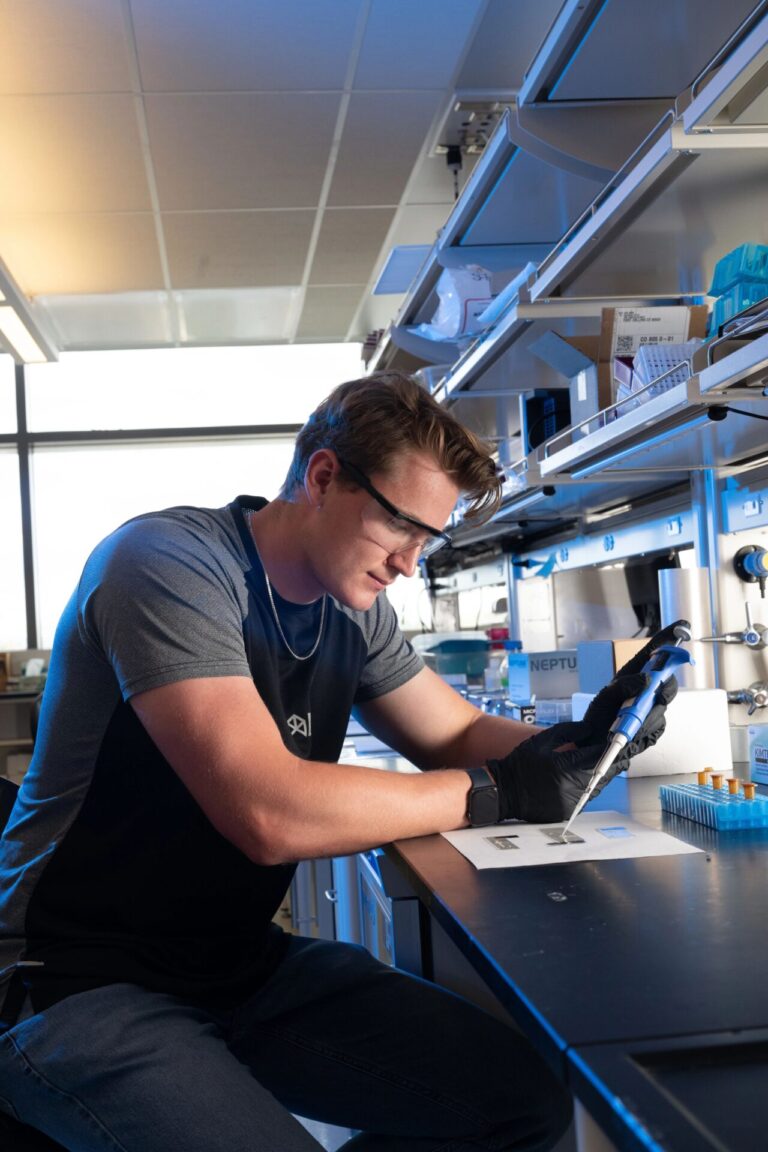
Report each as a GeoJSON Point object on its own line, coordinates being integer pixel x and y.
{"type": "Point", "coordinates": [298, 726]}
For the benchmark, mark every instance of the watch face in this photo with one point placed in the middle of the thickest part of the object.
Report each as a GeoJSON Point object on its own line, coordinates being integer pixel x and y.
{"type": "Point", "coordinates": [484, 806]}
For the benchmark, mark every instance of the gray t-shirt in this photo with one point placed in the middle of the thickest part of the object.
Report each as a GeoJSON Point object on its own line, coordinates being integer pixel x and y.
{"type": "Point", "coordinates": [109, 870]}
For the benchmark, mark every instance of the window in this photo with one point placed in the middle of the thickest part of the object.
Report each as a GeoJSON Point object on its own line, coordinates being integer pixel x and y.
{"type": "Point", "coordinates": [7, 394]}
{"type": "Point", "coordinates": [82, 493]}
{"type": "Point", "coordinates": [13, 618]}
{"type": "Point", "coordinates": [185, 387]}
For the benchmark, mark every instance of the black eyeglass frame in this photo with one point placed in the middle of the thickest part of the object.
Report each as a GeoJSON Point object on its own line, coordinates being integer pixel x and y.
{"type": "Point", "coordinates": [361, 479]}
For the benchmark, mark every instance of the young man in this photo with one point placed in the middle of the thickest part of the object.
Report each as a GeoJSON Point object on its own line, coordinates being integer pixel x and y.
{"type": "Point", "coordinates": [200, 687]}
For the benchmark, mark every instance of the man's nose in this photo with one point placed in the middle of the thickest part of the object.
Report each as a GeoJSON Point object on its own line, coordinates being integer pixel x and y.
{"type": "Point", "coordinates": [405, 563]}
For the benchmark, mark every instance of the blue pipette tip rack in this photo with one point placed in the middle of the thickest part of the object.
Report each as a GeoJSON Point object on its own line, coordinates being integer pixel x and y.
{"type": "Point", "coordinates": [714, 807]}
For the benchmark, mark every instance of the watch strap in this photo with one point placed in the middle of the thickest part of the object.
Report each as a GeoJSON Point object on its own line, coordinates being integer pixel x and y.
{"type": "Point", "coordinates": [483, 798]}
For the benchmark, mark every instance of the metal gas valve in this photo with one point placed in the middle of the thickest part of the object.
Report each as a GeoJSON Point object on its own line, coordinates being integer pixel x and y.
{"type": "Point", "coordinates": [756, 696]}
{"type": "Point", "coordinates": [754, 635]}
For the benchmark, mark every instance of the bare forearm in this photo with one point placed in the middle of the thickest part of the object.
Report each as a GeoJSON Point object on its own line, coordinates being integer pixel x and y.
{"type": "Point", "coordinates": [337, 809]}
{"type": "Point", "coordinates": [485, 737]}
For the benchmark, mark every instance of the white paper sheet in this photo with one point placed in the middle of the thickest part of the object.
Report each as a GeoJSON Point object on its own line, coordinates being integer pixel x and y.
{"type": "Point", "coordinates": [605, 836]}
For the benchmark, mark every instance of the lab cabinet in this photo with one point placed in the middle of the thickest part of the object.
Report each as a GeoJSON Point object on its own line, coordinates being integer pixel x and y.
{"type": "Point", "coordinates": [324, 899]}
{"type": "Point", "coordinates": [359, 899]}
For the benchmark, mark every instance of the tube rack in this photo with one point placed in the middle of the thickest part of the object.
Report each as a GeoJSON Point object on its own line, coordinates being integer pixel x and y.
{"type": "Point", "coordinates": [714, 807]}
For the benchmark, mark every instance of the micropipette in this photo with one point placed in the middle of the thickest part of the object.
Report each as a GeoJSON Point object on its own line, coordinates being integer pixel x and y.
{"type": "Point", "coordinates": [632, 715]}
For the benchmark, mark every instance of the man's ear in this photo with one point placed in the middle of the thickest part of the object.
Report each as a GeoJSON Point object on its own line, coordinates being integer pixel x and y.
{"type": "Point", "coordinates": [321, 468]}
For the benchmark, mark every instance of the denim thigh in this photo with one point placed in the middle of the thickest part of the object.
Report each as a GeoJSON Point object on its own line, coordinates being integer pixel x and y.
{"type": "Point", "coordinates": [123, 1068]}
{"type": "Point", "coordinates": [333, 1035]}
{"type": "Point", "coordinates": [337, 1036]}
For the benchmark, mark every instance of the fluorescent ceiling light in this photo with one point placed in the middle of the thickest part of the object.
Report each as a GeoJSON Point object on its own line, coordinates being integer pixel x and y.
{"type": "Point", "coordinates": [19, 330]}
{"type": "Point", "coordinates": [15, 333]}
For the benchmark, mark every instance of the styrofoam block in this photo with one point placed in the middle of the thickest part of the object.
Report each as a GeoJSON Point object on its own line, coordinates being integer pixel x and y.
{"type": "Point", "coordinates": [697, 734]}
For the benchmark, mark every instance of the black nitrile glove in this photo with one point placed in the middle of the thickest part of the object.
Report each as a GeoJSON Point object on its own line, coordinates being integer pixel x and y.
{"type": "Point", "coordinates": [601, 713]}
{"type": "Point", "coordinates": [626, 684]}
{"type": "Point", "coordinates": [538, 784]}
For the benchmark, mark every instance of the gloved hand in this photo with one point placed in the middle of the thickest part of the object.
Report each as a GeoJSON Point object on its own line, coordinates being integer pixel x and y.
{"type": "Point", "coordinates": [541, 785]}
{"type": "Point", "coordinates": [626, 684]}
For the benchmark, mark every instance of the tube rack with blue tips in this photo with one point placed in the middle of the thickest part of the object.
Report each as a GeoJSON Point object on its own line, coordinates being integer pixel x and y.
{"type": "Point", "coordinates": [726, 809]}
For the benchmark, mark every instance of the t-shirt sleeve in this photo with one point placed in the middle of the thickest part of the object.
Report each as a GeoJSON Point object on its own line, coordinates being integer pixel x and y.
{"type": "Point", "coordinates": [159, 604]}
{"type": "Point", "coordinates": [392, 661]}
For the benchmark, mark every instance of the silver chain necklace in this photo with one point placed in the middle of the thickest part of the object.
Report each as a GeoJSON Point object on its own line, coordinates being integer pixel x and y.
{"type": "Point", "coordinates": [283, 637]}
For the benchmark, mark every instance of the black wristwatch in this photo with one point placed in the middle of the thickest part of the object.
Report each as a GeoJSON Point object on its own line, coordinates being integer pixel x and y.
{"type": "Point", "coordinates": [483, 799]}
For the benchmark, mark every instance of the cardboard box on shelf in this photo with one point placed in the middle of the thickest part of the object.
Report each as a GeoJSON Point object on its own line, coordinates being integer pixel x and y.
{"type": "Point", "coordinates": [600, 660]}
{"type": "Point", "coordinates": [624, 330]}
{"type": "Point", "coordinates": [595, 365]}
{"type": "Point", "coordinates": [577, 359]}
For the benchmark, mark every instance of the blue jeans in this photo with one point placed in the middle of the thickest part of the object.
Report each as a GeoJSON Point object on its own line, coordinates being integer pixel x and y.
{"type": "Point", "coordinates": [333, 1035]}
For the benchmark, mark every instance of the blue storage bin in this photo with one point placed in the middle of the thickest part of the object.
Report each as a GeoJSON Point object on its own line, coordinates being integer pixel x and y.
{"type": "Point", "coordinates": [741, 296]}
{"type": "Point", "coordinates": [747, 263]}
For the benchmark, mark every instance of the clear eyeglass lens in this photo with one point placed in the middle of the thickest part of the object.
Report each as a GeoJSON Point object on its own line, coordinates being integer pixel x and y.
{"type": "Point", "coordinates": [397, 535]}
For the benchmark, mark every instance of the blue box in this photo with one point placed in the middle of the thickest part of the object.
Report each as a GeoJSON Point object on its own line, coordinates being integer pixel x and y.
{"type": "Point", "coordinates": [748, 262]}
{"type": "Point", "coordinates": [741, 296]}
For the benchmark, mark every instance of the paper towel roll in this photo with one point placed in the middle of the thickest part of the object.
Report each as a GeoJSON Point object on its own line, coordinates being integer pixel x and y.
{"type": "Point", "coordinates": [684, 595]}
{"type": "Point", "coordinates": [696, 735]}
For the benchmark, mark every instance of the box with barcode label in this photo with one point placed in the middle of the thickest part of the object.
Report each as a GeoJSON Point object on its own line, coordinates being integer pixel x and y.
{"type": "Point", "coordinates": [625, 330]}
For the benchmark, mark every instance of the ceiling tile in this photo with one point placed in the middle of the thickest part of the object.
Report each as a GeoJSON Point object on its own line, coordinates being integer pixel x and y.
{"type": "Point", "coordinates": [506, 42]}
{"type": "Point", "coordinates": [71, 154]}
{"type": "Point", "coordinates": [244, 316]}
{"type": "Point", "coordinates": [428, 50]}
{"type": "Point", "coordinates": [327, 313]}
{"type": "Point", "coordinates": [420, 223]}
{"type": "Point", "coordinates": [81, 253]}
{"type": "Point", "coordinates": [382, 138]}
{"type": "Point", "coordinates": [260, 45]}
{"type": "Point", "coordinates": [375, 312]}
{"type": "Point", "coordinates": [240, 150]}
{"type": "Point", "coordinates": [237, 249]}
{"type": "Point", "coordinates": [63, 46]}
{"type": "Point", "coordinates": [130, 320]}
{"type": "Point", "coordinates": [349, 243]}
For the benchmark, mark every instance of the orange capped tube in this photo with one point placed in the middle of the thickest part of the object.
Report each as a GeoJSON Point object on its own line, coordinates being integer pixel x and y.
{"type": "Point", "coordinates": [749, 791]}
{"type": "Point", "coordinates": [733, 785]}
{"type": "Point", "coordinates": [703, 776]}
{"type": "Point", "coordinates": [717, 779]}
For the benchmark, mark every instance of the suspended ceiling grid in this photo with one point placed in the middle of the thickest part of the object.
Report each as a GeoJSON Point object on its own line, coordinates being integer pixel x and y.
{"type": "Point", "coordinates": [233, 171]}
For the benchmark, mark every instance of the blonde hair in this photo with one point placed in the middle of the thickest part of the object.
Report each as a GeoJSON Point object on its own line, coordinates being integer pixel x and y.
{"type": "Point", "coordinates": [370, 420]}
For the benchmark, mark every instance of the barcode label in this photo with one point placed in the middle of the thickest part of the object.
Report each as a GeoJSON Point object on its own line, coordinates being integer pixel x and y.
{"type": "Point", "coordinates": [634, 327]}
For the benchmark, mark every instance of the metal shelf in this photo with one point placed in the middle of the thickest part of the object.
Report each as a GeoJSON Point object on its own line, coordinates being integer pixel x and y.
{"type": "Point", "coordinates": [535, 178]}
{"type": "Point", "coordinates": [522, 324]}
{"type": "Point", "coordinates": [674, 432]}
{"type": "Point", "coordinates": [621, 457]}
